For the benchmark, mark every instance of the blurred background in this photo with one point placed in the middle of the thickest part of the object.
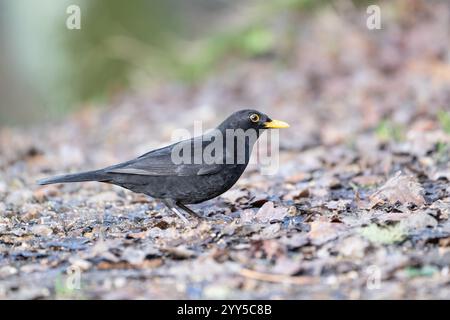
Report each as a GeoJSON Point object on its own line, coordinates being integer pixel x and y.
{"type": "Point", "coordinates": [47, 70]}
{"type": "Point", "coordinates": [363, 104]}
{"type": "Point", "coordinates": [317, 62]}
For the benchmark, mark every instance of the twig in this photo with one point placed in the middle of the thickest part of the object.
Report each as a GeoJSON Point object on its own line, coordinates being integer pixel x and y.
{"type": "Point", "coordinates": [277, 278]}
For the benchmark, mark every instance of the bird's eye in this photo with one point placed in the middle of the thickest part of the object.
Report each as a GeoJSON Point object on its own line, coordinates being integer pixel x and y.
{"type": "Point", "coordinates": [254, 117]}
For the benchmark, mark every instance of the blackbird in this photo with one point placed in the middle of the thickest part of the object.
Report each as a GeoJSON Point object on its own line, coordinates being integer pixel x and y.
{"type": "Point", "coordinates": [189, 171]}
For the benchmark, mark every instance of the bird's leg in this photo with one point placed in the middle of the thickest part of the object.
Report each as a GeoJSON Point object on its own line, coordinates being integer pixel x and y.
{"type": "Point", "coordinates": [216, 217]}
{"type": "Point", "coordinates": [188, 210]}
{"type": "Point", "coordinates": [171, 205]}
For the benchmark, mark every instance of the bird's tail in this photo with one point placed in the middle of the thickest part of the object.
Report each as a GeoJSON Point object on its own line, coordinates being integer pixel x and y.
{"type": "Point", "coordinates": [96, 175]}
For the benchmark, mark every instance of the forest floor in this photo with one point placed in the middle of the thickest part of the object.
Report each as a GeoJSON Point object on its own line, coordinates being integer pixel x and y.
{"type": "Point", "coordinates": [358, 208]}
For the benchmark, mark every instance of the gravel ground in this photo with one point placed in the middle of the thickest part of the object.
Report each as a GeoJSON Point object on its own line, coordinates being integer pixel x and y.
{"type": "Point", "coordinates": [359, 207]}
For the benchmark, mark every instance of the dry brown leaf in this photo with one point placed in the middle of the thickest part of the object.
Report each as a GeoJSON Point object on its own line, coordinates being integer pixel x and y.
{"type": "Point", "coordinates": [400, 188]}
{"type": "Point", "coordinates": [269, 213]}
{"type": "Point", "coordinates": [43, 193]}
{"type": "Point", "coordinates": [323, 231]}
{"type": "Point", "coordinates": [368, 180]}
{"type": "Point", "coordinates": [234, 195]}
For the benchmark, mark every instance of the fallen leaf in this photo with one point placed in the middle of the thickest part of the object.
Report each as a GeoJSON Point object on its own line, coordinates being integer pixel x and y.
{"type": "Point", "coordinates": [418, 220]}
{"type": "Point", "coordinates": [179, 252]}
{"type": "Point", "coordinates": [268, 213]}
{"type": "Point", "coordinates": [269, 232]}
{"type": "Point", "coordinates": [286, 266]}
{"type": "Point", "coordinates": [133, 256]}
{"type": "Point", "coordinates": [353, 247]}
{"type": "Point", "coordinates": [232, 196]}
{"type": "Point", "coordinates": [138, 235]}
{"type": "Point", "coordinates": [400, 188]}
{"type": "Point", "coordinates": [367, 181]}
{"type": "Point", "coordinates": [80, 263]}
{"type": "Point", "coordinates": [247, 216]}
{"type": "Point", "coordinates": [324, 231]}
{"type": "Point", "coordinates": [297, 194]}
{"type": "Point", "coordinates": [41, 230]}
{"type": "Point", "coordinates": [45, 192]}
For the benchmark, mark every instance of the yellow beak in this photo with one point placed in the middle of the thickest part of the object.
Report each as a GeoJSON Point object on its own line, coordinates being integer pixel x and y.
{"type": "Point", "coordinates": [275, 124]}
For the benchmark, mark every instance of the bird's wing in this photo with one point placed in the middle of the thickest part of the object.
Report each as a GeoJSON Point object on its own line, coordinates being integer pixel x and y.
{"type": "Point", "coordinates": [161, 163]}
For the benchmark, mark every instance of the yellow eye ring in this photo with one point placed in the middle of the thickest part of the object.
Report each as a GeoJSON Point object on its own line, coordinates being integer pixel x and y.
{"type": "Point", "coordinates": [254, 117]}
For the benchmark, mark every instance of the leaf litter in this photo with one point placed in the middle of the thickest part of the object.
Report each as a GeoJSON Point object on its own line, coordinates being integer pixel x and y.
{"type": "Point", "coordinates": [362, 189]}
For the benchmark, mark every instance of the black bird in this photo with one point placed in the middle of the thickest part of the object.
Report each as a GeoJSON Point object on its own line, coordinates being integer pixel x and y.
{"type": "Point", "coordinates": [189, 171]}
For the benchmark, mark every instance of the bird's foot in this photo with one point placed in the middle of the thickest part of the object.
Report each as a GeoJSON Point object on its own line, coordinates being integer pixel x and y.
{"type": "Point", "coordinates": [189, 210]}
{"type": "Point", "coordinates": [171, 205]}
{"type": "Point", "coordinates": [216, 217]}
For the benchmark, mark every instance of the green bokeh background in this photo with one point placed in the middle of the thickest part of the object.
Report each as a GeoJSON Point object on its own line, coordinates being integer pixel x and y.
{"type": "Point", "coordinates": [47, 70]}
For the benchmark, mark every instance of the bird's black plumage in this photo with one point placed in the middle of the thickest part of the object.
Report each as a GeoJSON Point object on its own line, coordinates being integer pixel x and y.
{"type": "Point", "coordinates": [160, 174]}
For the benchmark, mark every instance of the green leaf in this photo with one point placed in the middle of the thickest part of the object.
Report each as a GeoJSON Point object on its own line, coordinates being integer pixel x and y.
{"type": "Point", "coordinates": [383, 235]}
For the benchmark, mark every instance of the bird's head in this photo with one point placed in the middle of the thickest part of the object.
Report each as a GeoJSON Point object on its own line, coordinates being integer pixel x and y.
{"type": "Point", "coordinates": [251, 119]}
